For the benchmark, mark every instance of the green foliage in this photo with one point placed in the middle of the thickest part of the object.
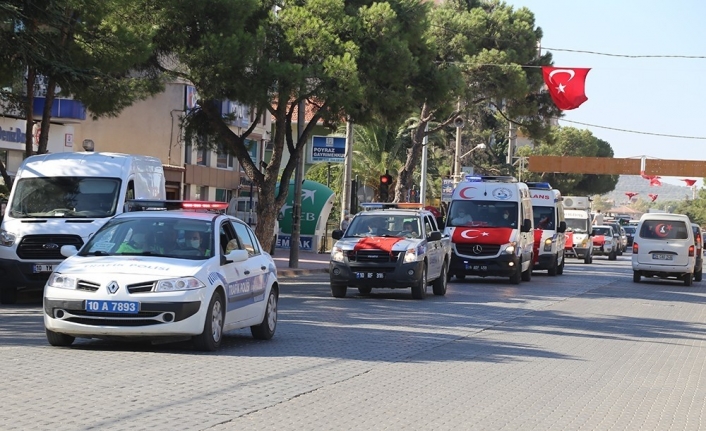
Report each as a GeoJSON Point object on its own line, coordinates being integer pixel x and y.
{"type": "Point", "coordinates": [569, 141]}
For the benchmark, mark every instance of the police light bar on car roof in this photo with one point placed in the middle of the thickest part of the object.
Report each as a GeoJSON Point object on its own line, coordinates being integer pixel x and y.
{"type": "Point", "coordinates": [490, 179]}
{"type": "Point", "coordinates": [390, 205]}
{"type": "Point", "coordinates": [539, 186]}
{"type": "Point", "coordinates": [159, 205]}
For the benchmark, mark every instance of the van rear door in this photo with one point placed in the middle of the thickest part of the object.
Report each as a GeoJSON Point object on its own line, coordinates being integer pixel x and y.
{"type": "Point", "coordinates": [664, 242]}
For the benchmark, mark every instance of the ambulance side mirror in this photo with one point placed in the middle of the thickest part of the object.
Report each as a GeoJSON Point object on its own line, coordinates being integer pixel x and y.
{"type": "Point", "coordinates": [562, 227]}
{"type": "Point", "coordinates": [526, 225]}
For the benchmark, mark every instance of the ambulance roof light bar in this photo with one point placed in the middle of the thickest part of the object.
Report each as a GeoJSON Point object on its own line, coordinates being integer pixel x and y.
{"type": "Point", "coordinates": [489, 179]}
{"type": "Point", "coordinates": [159, 205]}
{"type": "Point", "coordinates": [390, 205]}
{"type": "Point", "coordinates": [539, 186]}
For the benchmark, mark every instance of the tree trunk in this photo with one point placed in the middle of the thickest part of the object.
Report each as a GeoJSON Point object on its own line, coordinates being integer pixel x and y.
{"type": "Point", "coordinates": [29, 111]}
{"type": "Point", "coordinates": [5, 177]}
{"type": "Point", "coordinates": [46, 116]}
{"type": "Point", "coordinates": [405, 177]}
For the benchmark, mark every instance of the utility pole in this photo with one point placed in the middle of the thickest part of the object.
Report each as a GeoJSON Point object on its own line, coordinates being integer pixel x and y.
{"type": "Point", "coordinates": [347, 170]}
{"type": "Point", "coordinates": [297, 200]}
{"type": "Point", "coordinates": [457, 159]}
{"type": "Point", "coordinates": [511, 142]}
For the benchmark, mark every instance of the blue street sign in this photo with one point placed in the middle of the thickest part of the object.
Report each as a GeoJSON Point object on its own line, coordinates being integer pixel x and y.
{"type": "Point", "coordinates": [327, 149]}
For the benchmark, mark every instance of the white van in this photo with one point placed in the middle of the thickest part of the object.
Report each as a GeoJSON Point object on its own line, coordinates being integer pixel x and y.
{"type": "Point", "coordinates": [549, 228]}
{"type": "Point", "coordinates": [490, 223]}
{"type": "Point", "coordinates": [62, 199]}
{"type": "Point", "coordinates": [664, 247]}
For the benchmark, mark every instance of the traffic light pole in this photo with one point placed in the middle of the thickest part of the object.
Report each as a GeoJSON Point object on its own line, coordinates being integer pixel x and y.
{"type": "Point", "coordinates": [425, 154]}
{"type": "Point", "coordinates": [347, 171]}
{"type": "Point", "coordinates": [297, 198]}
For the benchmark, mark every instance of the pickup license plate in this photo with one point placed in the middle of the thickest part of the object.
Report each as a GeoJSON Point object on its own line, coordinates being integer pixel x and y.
{"type": "Point", "coordinates": [376, 275]}
{"type": "Point", "coordinates": [477, 267]}
{"type": "Point", "coordinates": [40, 267]}
{"type": "Point", "coordinates": [122, 307]}
{"type": "Point", "coordinates": [658, 256]}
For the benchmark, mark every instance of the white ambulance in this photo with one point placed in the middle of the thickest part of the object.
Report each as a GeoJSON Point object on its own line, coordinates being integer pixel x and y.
{"type": "Point", "coordinates": [549, 228]}
{"type": "Point", "coordinates": [490, 223]}
{"type": "Point", "coordinates": [577, 213]}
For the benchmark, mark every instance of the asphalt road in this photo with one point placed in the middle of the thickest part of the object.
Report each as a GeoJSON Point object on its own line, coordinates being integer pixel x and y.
{"type": "Point", "coordinates": [586, 350]}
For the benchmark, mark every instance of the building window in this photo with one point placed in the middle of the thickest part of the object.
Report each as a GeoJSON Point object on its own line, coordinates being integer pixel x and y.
{"type": "Point", "coordinates": [203, 193]}
{"type": "Point", "coordinates": [224, 195]}
{"type": "Point", "coordinates": [202, 156]}
{"type": "Point", "coordinates": [224, 160]}
{"type": "Point", "coordinates": [187, 153]}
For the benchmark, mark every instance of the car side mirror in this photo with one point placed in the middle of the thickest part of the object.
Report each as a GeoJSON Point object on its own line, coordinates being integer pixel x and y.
{"type": "Point", "coordinates": [68, 250]}
{"type": "Point", "coordinates": [526, 225]}
{"type": "Point", "coordinates": [337, 234]}
{"type": "Point", "coordinates": [435, 236]}
{"type": "Point", "coordinates": [562, 227]}
{"type": "Point", "coordinates": [237, 255]}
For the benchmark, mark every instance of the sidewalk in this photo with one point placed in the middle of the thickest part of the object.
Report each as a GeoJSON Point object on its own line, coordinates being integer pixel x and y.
{"type": "Point", "coordinates": [309, 263]}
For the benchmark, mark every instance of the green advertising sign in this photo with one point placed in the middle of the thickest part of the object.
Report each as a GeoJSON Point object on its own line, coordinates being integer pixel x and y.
{"type": "Point", "coordinates": [317, 201]}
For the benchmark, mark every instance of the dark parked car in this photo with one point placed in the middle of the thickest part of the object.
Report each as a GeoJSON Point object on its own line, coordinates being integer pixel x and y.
{"type": "Point", "coordinates": [630, 233]}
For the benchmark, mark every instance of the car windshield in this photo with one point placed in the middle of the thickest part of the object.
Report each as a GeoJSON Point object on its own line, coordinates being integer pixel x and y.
{"type": "Point", "coordinates": [602, 231]}
{"type": "Point", "coordinates": [578, 225]}
{"type": "Point", "coordinates": [65, 197]}
{"type": "Point", "coordinates": [629, 229]}
{"type": "Point", "coordinates": [482, 213]}
{"type": "Point", "coordinates": [384, 225]}
{"type": "Point", "coordinates": [150, 236]}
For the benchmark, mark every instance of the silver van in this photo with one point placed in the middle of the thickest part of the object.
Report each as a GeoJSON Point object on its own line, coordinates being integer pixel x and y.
{"type": "Point", "coordinates": [664, 247]}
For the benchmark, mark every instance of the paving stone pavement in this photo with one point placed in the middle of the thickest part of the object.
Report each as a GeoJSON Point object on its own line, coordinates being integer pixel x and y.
{"type": "Point", "coordinates": [586, 350]}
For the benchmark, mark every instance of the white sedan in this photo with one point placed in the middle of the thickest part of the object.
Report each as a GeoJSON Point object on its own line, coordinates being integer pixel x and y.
{"type": "Point", "coordinates": [163, 276]}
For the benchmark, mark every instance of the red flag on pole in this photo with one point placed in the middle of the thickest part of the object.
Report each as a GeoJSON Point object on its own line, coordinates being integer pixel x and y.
{"type": "Point", "coordinates": [566, 86]}
{"type": "Point", "coordinates": [689, 182]}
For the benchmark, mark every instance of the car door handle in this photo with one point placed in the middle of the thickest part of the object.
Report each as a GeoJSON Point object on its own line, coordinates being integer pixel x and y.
{"type": "Point", "coordinates": [246, 272]}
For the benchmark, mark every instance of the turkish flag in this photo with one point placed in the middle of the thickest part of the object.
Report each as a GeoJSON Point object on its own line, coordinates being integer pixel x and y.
{"type": "Point", "coordinates": [377, 243]}
{"type": "Point", "coordinates": [689, 182]}
{"type": "Point", "coordinates": [569, 240]}
{"type": "Point", "coordinates": [566, 86]}
{"type": "Point", "coordinates": [480, 235]}
{"type": "Point", "coordinates": [599, 240]}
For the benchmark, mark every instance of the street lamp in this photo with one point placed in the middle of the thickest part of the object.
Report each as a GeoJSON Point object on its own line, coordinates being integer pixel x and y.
{"type": "Point", "coordinates": [458, 175]}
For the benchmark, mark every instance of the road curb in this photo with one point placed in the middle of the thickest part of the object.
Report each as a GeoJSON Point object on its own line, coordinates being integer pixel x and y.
{"type": "Point", "coordinates": [293, 272]}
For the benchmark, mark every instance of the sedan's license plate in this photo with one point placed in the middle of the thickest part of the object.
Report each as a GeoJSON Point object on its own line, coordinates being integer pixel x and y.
{"type": "Point", "coordinates": [659, 256]}
{"type": "Point", "coordinates": [123, 307]}
{"type": "Point", "coordinates": [40, 267]}
{"type": "Point", "coordinates": [369, 275]}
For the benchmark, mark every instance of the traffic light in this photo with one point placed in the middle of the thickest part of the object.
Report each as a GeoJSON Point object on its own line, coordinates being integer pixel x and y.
{"type": "Point", "coordinates": [385, 181]}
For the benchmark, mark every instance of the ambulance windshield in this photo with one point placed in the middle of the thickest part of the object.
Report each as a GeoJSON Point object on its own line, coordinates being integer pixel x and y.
{"type": "Point", "coordinates": [483, 213]}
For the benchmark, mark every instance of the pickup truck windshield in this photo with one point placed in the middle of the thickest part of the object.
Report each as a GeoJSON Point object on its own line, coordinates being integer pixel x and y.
{"type": "Point", "coordinates": [65, 197]}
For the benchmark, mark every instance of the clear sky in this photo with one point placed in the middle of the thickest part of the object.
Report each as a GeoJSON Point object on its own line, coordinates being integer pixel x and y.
{"type": "Point", "coordinates": [665, 96]}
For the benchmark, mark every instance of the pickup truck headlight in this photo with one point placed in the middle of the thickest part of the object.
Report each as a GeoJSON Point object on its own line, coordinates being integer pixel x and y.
{"type": "Point", "coordinates": [61, 281]}
{"type": "Point", "coordinates": [337, 254]}
{"type": "Point", "coordinates": [410, 256]}
{"type": "Point", "coordinates": [510, 248]}
{"type": "Point", "coordinates": [6, 238]}
{"type": "Point", "coordinates": [175, 284]}
{"type": "Point", "coordinates": [548, 244]}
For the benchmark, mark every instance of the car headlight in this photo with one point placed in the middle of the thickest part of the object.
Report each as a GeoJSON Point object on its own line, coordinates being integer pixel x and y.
{"type": "Point", "coordinates": [548, 244]}
{"type": "Point", "coordinates": [7, 238]}
{"type": "Point", "coordinates": [337, 254]}
{"type": "Point", "coordinates": [510, 248]}
{"type": "Point", "coordinates": [175, 284]}
{"type": "Point", "coordinates": [61, 281]}
{"type": "Point", "coordinates": [410, 256]}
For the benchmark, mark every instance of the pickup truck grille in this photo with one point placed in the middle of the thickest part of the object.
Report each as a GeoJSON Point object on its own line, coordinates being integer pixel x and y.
{"type": "Point", "coordinates": [477, 249]}
{"type": "Point", "coordinates": [378, 256]}
{"type": "Point", "coordinates": [46, 246]}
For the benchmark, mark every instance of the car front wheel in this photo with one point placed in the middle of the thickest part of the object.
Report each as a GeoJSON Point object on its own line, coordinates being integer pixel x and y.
{"type": "Point", "coordinates": [439, 285]}
{"type": "Point", "coordinates": [210, 339]}
{"type": "Point", "coordinates": [59, 340]}
{"type": "Point", "coordinates": [419, 290]}
{"type": "Point", "coordinates": [266, 329]}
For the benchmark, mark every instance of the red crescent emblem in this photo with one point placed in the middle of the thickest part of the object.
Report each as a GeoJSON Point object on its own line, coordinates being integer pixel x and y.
{"type": "Point", "coordinates": [462, 192]}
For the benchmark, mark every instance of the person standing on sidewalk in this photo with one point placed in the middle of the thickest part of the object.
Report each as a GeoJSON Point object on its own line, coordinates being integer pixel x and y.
{"type": "Point", "coordinates": [346, 221]}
